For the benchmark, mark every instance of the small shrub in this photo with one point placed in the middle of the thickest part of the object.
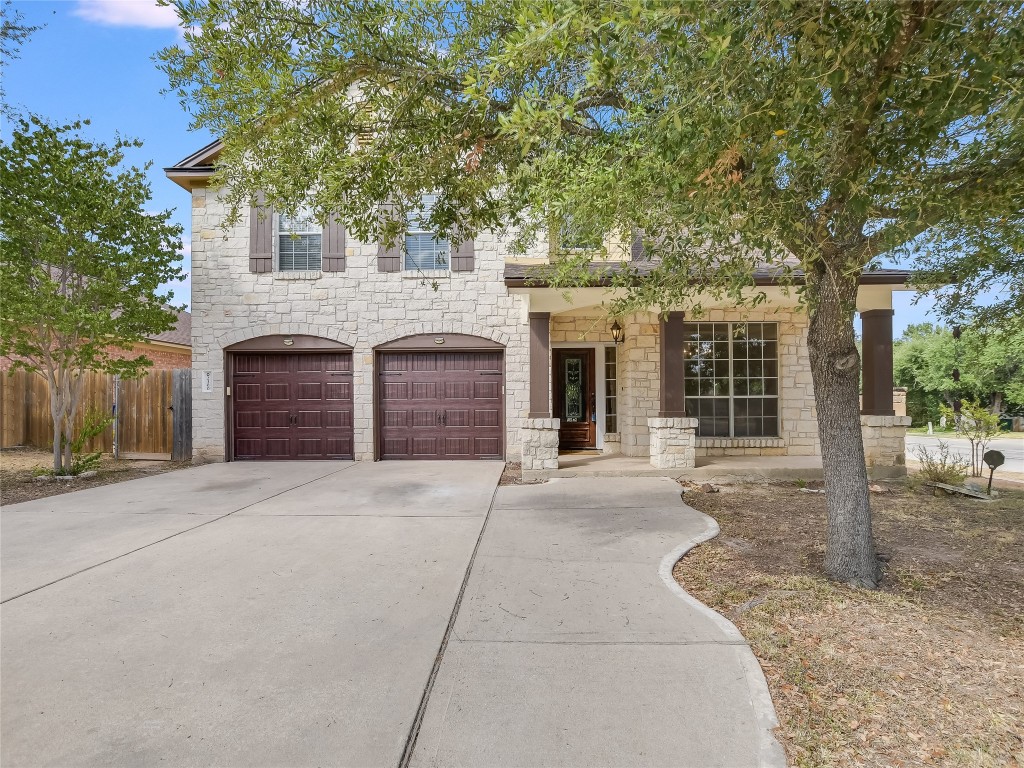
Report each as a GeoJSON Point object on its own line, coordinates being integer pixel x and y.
{"type": "Point", "coordinates": [801, 483]}
{"type": "Point", "coordinates": [942, 465]}
{"type": "Point", "coordinates": [93, 425]}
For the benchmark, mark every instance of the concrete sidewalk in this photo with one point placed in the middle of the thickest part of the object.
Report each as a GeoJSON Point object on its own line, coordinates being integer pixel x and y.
{"type": "Point", "coordinates": [573, 646]}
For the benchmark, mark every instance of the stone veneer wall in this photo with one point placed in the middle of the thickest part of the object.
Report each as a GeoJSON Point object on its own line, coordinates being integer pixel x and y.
{"type": "Point", "coordinates": [885, 444]}
{"type": "Point", "coordinates": [640, 387]}
{"type": "Point", "coordinates": [360, 307]}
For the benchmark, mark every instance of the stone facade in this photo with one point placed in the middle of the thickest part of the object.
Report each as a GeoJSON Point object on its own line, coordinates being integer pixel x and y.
{"type": "Point", "coordinates": [673, 443]}
{"type": "Point", "coordinates": [639, 383]}
{"type": "Point", "coordinates": [539, 440]}
{"type": "Point", "coordinates": [885, 444]}
{"type": "Point", "coordinates": [360, 307]}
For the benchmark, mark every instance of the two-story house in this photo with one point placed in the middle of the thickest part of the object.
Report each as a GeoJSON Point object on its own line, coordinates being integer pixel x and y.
{"type": "Point", "coordinates": [308, 344]}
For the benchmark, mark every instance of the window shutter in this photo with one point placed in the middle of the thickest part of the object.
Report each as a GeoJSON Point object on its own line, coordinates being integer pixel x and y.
{"type": "Point", "coordinates": [334, 245]}
{"type": "Point", "coordinates": [261, 237]}
{"type": "Point", "coordinates": [389, 259]}
{"type": "Point", "coordinates": [463, 257]}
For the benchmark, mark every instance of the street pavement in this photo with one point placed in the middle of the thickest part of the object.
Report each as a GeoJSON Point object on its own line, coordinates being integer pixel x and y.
{"type": "Point", "coordinates": [1011, 446]}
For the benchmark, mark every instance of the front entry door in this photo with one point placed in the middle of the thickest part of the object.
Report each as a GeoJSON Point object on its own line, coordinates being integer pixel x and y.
{"type": "Point", "coordinates": [575, 398]}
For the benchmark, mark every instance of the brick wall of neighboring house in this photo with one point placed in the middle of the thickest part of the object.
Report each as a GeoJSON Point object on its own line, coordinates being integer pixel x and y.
{"type": "Point", "coordinates": [360, 307]}
{"type": "Point", "coordinates": [163, 357]}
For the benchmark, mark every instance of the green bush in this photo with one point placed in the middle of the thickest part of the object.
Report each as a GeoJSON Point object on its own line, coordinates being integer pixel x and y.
{"type": "Point", "coordinates": [941, 465]}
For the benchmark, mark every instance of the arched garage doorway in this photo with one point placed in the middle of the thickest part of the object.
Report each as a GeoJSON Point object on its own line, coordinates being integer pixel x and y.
{"type": "Point", "coordinates": [440, 396]}
{"type": "Point", "coordinates": [289, 399]}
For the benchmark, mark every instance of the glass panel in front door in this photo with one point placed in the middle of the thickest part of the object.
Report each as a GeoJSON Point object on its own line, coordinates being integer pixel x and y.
{"type": "Point", "coordinates": [574, 409]}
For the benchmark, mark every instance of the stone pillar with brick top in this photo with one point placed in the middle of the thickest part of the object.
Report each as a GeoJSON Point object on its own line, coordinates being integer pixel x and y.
{"type": "Point", "coordinates": [673, 436]}
{"type": "Point", "coordinates": [885, 444]}
{"type": "Point", "coordinates": [540, 446]}
{"type": "Point", "coordinates": [673, 442]}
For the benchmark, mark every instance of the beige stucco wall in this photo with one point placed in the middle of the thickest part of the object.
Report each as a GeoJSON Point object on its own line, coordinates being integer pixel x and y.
{"type": "Point", "coordinates": [360, 307]}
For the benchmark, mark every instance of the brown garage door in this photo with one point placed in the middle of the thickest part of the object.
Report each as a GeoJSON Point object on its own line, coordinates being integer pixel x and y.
{"type": "Point", "coordinates": [441, 405]}
{"type": "Point", "coordinates": [292, 406]}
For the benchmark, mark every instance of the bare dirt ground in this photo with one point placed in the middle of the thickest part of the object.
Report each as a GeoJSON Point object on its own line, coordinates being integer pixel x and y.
{"type": "Point", "coordinates": [19, 468]}
{"type": "Point", "coordinates": [928, 670]}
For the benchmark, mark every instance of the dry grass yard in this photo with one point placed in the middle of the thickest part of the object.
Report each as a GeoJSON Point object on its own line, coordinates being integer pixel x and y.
{"type": "Point", "coordinates": [927, 671]}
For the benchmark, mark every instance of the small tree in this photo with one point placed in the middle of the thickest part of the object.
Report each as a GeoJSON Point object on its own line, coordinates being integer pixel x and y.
{"type": "Point", "coordinates": [979, 426]}
{"type": "Point", "coordinates": [81, 261]}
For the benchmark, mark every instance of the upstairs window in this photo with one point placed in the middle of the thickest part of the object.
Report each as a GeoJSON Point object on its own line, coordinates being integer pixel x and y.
{"type": "Point", "coordinates": [423, 250]}
{"type": "Point", "coordinates": [573, 236]}
{"type": "Point", "coordinates": [299, 243]}
{"type": "Point", "coordinates": [732, 378]}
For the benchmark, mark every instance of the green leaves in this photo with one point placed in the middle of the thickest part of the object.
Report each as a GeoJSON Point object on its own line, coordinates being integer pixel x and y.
{"type": "Point", "coordinates": [835, 134]}
{"type": "Point", "coordinates": [81, 259]}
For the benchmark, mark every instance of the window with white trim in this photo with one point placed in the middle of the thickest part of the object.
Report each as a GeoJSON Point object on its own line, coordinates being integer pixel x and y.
{"type": "Point", "coordinates": [423, 250]}
{"type": "Point", "coordinates": [611, 412]}
{"type": "Point", "coordinates": [299, 242]}
{"type": "Point", "coordinates": [732, 378]}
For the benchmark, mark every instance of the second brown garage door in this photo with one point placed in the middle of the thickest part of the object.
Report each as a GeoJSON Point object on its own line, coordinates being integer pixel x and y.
{"type": "Point", "coordinates": [441, 405]}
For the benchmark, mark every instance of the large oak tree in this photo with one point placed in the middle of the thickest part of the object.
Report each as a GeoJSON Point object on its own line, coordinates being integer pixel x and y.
{"type": "Point", "coordinates": [826, 134]}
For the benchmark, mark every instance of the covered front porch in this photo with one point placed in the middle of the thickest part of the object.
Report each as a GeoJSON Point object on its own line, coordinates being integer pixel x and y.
{"type": "Point", "coordinates": [726, 394]}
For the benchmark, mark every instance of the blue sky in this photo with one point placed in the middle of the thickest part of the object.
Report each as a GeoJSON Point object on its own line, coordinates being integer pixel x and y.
{"type": "Point", "coordinates": [94, 59]}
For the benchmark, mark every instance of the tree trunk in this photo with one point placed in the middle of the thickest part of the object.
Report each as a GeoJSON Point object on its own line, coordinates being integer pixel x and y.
{"type": "Point", "coordinates": [58, 421]}
{"type": "Point", "coordinates": [835, 370]}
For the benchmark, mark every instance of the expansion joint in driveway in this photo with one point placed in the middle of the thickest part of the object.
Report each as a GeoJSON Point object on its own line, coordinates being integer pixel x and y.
{"type": "Point", "coordinates": [173, 535]}
{"type": "Point", "coordinates": [414, 730]}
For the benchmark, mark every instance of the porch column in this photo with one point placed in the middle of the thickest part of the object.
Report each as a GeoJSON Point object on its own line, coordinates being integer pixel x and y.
{"type": "Point", "coordinates": [673, 368]}
{"type": "Point", "coordinates": [540, 432]}
{"type": "Point", "coordinates": [876, 325]}
{"type": "Point", "coordinates": [540, 365]}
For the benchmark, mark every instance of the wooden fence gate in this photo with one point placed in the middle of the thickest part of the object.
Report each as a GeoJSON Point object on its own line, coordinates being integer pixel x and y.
{"type": "Point", "coordinates": [152, 415]}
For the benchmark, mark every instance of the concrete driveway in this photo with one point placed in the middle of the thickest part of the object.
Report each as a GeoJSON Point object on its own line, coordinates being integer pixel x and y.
{"type": "Point", "coordinates": [574, 646]}
{"type": "Point", "coordinates": [302, 615]}
{"type": "Point", "coordinates": [232, 614]}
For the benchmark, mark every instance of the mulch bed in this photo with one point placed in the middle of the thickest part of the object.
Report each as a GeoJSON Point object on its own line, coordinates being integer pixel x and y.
{"type": "Point", "coordinates": [18, 481]}
{"type": "Point", "coordinates": [928, 670]}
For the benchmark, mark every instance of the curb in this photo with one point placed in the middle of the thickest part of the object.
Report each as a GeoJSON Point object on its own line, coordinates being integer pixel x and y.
{"type": "Point", "coordinates": [772, 754]}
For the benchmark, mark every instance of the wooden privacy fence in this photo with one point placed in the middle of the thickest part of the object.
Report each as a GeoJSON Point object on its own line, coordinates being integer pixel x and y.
{"type": "Point", "coordinates": [153, 415]}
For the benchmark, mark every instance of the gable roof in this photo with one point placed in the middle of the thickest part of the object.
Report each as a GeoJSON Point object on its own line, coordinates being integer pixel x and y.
{"type": "Point", "coordinates": [196, 167]}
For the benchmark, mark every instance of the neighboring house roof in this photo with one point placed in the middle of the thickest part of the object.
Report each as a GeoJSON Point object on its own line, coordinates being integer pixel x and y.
{"type": "Point", "coordinates": [533, 276]}
{"type": "Point", "coordinates": [181, 333]}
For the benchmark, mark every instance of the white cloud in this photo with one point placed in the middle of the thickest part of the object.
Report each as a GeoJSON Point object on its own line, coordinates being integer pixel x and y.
{"type": "Point", "coordinates": [127, 13]}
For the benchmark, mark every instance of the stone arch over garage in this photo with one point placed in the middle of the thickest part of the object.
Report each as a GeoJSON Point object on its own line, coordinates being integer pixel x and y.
{"type": "Point", "coordinates": [405, 330]}
{"type": "Point", "coordinates": [439, 400]}
{"type": "Point", "coordinates": [332, 333]}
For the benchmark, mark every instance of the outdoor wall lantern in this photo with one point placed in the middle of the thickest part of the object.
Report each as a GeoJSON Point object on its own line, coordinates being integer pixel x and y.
{"type": "Point", "coordinates": [617, 335]}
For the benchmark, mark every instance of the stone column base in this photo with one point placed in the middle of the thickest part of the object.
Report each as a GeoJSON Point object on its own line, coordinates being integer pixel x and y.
{"type": "Point", "coordinates": [612, 443]}
{"type": "Point", "coordinates": [885, 444]}
{"type": "Point", "coordinates": [673, 443]}
{"type": "Point", "coordinates": [539, 439]}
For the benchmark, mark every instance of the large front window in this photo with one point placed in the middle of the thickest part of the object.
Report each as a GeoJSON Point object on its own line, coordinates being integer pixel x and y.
{"type": "Point", "coordinates": [732, 378]}
{"type": "Point", "coordinates": [298, 243]}
{"type": "Point", "coordinates": [423, 250]}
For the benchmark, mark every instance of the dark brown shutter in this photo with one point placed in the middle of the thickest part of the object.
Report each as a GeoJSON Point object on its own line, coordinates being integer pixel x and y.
{"type": "Point", "coordinates": [389, 259]}
{"type": "Point", "coordinates": [333, 245]}
{"type": "Point", "coordinates": [463, 257]}
{"type": "Point", "coordinates": [261, 237]}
